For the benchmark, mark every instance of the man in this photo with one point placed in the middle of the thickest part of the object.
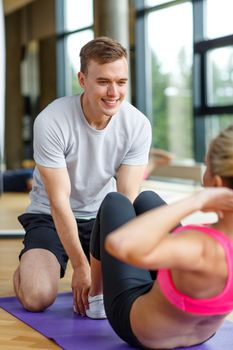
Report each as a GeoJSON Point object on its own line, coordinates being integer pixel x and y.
{"type": "Point", "coordinates": [84, 147]}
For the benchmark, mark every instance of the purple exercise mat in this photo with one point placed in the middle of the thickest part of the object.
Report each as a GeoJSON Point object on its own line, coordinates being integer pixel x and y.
{"type": "Point", "coordinates": [72, 332]}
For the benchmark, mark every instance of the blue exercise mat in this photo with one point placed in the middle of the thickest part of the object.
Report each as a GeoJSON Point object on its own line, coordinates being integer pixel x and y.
{"type": "Point", "coordinates": [73, 332]}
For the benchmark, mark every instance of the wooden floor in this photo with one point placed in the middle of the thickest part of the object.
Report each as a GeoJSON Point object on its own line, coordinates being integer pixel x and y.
{"type": "Point", "coordinates": [15, 335]}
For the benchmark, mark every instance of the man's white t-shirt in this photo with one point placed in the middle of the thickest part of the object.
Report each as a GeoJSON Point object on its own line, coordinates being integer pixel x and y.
{"type": "Point", "coordinates": [63, 138]}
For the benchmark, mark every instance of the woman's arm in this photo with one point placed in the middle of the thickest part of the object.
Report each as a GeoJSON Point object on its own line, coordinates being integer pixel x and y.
{"type": "Point", "coordinates": [147, 236]}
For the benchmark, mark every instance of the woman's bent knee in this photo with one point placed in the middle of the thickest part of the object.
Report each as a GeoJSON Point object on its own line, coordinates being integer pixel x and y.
{"type": "Point", "coordinates": [147, 200]}
{"type": "Point", "coordinates": [114, 196]}
{"type": "Point", "coordinates": [114, 199]}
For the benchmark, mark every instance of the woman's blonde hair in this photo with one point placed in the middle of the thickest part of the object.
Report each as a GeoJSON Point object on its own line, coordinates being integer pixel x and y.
{"type": "Point", "coordinates": [220, 155]}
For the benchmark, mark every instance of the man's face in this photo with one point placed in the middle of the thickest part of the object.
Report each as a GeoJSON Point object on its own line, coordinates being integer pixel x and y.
{"type": "Point", "coordinates": [104, 87]}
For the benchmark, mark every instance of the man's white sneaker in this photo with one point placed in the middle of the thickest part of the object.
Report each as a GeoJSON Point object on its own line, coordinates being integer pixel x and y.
{"type": "Point", "coordinates": [96, 307]}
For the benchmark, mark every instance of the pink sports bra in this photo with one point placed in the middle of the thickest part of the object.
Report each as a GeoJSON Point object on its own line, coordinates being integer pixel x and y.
{"type": "Point", "coordinates": [220, 304]}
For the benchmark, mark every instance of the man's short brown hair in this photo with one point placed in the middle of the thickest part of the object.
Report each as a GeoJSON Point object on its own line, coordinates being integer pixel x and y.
{"type": "Point", "coordinates": [101, 50]}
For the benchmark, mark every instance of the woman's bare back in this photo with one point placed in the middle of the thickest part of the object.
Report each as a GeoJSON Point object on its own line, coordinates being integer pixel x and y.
{"type": "Point", "coordinates": [164, 326]}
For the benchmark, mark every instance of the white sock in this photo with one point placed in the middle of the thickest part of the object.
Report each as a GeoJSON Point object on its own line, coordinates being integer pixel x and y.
{"type": "Point", "coordinates": [96, 307]}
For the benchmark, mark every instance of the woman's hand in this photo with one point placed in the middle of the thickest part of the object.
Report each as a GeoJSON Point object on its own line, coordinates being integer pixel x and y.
{"type": "Point", "coordinates": [216, 199]}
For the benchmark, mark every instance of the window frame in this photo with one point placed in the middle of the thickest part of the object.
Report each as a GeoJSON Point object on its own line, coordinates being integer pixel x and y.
{"type": "Point", "coordinates": [61, 37]}
{"type": "Point", "coordinates": [201, 48]}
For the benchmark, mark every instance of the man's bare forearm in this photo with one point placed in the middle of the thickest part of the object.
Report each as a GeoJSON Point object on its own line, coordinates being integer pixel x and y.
{"type": "Point", "coordinates": [68, 233]}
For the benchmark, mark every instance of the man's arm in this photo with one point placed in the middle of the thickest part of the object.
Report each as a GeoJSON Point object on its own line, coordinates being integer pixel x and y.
{"type": "Point", "coordinates": [57, 185]}
{"type": "Point", "coordinates": [129, 179]}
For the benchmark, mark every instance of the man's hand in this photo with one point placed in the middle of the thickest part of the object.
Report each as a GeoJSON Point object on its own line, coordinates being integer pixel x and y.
{"type": "Point", "coordinates": [81, 282]}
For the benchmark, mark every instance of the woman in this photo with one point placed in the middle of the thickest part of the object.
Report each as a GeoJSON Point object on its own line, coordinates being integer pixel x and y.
{"type": "Point", "coordinates": [193, 292]}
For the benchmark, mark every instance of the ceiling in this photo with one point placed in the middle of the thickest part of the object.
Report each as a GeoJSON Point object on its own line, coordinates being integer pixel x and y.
{"type": "Point", "coordinates": [13, 5]}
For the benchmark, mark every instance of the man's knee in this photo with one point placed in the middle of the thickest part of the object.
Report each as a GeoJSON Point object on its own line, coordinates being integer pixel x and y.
{"type": "Point", "coordinates": [35, 300]}
{"type": "Point", "coordinates": [36, 285]}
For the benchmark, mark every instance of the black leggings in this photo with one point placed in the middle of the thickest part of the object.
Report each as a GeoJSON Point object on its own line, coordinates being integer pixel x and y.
{"type": "Point", "coordinates": [122, 283]}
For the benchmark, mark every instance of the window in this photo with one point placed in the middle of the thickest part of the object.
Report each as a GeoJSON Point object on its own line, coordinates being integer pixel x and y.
{"type": "Point", "coordinates": [220, 76]}
{"type": "Point", "coordinates": [213, 69]}
{"type": "Point", "coordinates": [213, 125]}
{"type": "Point", "coordinates": [170, 44]}
{"type": "Point", "coordinates": [78, 14]}
{"type": "Point", "coordinates": [74, 43]}
{"type": "Point", "coordinates": [75, 29]}
{"type": "Point", "coordinates": [151, 3]}
{"type": "Point", "coordinates": [186, 92]}
{"type": "Point", "coordinates": [218, 18]}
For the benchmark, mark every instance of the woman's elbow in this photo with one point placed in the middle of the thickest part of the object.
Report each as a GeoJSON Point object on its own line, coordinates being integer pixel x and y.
{"type": "Point", "coordinates": [116, 247]}
{"type": "Point", "coordinates": [111, 245]}
{"type": "Point", "coordinates": [119, 250]}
